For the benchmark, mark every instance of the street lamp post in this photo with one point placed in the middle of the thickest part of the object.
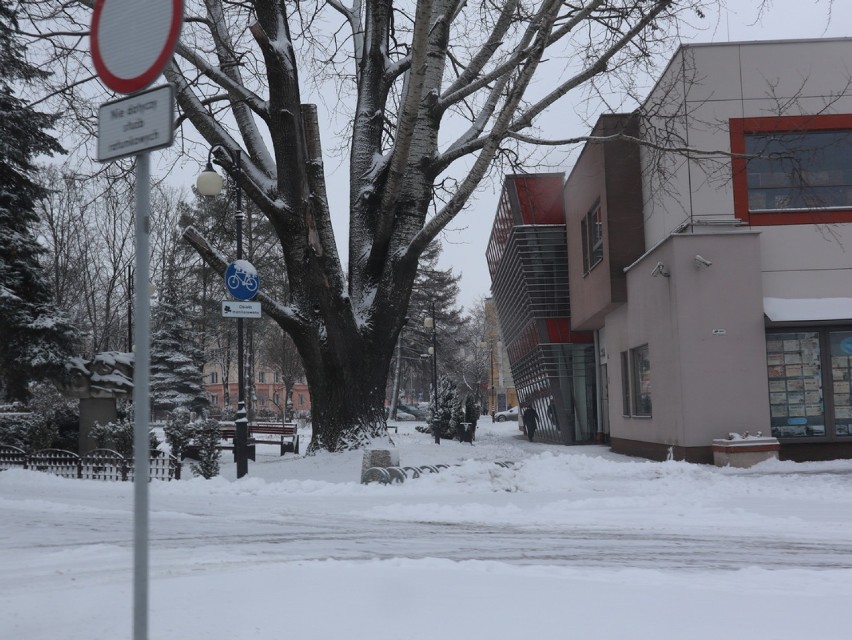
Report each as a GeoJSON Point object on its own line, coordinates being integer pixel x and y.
{"type": "Point", "coordinates": [210, 183]}
{"type": "Point", "coordinates": [429, 323]}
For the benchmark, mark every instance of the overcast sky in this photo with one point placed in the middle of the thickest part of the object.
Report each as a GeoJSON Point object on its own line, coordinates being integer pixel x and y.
{"type": "Point", "coordinates": [466, 238]}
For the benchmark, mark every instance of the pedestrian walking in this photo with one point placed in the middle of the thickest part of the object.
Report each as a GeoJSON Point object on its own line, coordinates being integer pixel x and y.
{"type": "Point", "coordinates": [530, 421]}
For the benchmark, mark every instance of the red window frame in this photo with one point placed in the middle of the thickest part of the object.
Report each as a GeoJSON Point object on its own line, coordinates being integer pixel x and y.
{"type": "Point", "coordinates": [739, 127]}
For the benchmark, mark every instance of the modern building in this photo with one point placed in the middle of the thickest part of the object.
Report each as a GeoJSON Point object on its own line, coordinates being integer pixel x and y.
{"type": "Point", "coordinates": [712, 262]}
{"type": "Point", "coordinates": [552, 365]}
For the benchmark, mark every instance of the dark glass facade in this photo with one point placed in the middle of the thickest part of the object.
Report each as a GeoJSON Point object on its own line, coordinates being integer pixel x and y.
{"type": "Point", "coordinates": [552, 366]}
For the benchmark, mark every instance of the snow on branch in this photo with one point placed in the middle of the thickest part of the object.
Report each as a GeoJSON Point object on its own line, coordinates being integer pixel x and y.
{"type": "Point", "coordinates": [255, 102]}
{"type": "Point", "coordinates": [287, 316]}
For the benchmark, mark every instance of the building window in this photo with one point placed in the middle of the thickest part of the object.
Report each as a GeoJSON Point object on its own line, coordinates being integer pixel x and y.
{"type": "Point", "coordinates": [625, 382]}
{"type": "Point", "coordinates": [841, 375]}
{"type": "Point", "coordinates": [640, 381]}
{"type": "Point", "coordinates": [261, 377]}
{"type": "Point", "coordinates": [591, 230]}
{"type": "Point", "coordinates": [810, 383]}
{"type": "Point", "coordinates": [277, 377]}
{"type": "Point", "coordinates": [793, 366]}
{"type": "Point", "coordinates": [214, 378]}
{"type": "Point", "coordinates": [794, 169]}
{"type": "Point", "coordinates": [214, 400]}
{"type": "Point", "coordinates": [276, 399]}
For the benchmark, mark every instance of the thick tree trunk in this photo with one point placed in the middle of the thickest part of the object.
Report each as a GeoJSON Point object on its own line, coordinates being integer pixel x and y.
{"type": "Point", "coordinates": [347, 399]}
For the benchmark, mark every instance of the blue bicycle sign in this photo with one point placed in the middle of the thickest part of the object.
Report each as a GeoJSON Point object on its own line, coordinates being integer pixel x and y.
{"type": "Point", "coordinates": [242, 280]}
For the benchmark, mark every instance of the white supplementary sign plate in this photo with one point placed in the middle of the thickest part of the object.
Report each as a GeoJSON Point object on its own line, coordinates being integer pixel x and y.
{"type": "Point", "coordinates": [133, 40]}
{"type": "Point", "coordinates": [137, 123]}
{"type": "Point", "coordinates": [240, 309]}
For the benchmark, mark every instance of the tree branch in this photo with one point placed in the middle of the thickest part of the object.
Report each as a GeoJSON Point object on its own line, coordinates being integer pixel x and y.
{"type": "Point", "coordinates": [597, 68]}
{"type": "Point", "coordinates": [623, 137]}
{"type": "Point", "coordinates": [464, 147]}
{"type": "Point", "coordinates": [272, 33]}
{"type": "Point", "coordinates": [411, 105]}
{"type": "Point", "coordinates": [431, 229]}
{"type": "Point", "coordinates": [285, 315]}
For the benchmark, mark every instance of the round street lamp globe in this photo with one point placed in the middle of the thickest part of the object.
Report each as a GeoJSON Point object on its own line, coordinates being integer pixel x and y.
{"type": "Point", "coordinates": [209, 183]}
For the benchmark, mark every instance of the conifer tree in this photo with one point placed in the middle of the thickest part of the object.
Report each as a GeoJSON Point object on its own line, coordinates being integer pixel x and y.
{"type": "Point", "coordinates": [441, 287]}
{"type": "Point", "coordinates": [175, 356]}
{"type": "Point", "coordinates": [450, 412]}
{"type": "Point", "coordinates": [36, 337]}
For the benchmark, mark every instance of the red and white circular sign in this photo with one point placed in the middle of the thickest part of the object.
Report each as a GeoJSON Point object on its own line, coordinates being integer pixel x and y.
{"type": "Point", "coordinates": [133, 40]}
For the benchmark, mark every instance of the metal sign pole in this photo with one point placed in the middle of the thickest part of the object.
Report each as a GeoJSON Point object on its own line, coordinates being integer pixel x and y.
{"type": "Point", "coordinates": [127, 59]}
{"type": "Point", "coordinates": [141, 404]}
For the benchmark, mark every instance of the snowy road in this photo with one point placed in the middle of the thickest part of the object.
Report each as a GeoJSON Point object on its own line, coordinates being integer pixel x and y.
{"type": "Point", "coordinates": [583, 521]}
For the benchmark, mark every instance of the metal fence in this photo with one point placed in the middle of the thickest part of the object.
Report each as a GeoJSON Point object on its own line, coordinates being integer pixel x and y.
{"type": "Point", "coordinates": [98, 464]}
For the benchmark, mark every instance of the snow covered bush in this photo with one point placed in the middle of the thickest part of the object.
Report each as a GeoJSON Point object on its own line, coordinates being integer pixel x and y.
{"type": "Point", "coordinates": [118, 436]}
{"type": "Point", "coordinates": [41, 433]}
{"type": "Point", "coordinates": [207, 436]}
{"type": "Point", "coordinates": [50, 422]}
{"type": "Point", "coordinates": [15, 429]}
{"type": "Point", "coordinates": [61, 415]}
{"type": "Point", "coordinates": [179, 430]}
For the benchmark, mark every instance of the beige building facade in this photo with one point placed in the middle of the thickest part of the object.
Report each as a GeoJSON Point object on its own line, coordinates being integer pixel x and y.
{"type": "Point", "coordinates": [718, 277]}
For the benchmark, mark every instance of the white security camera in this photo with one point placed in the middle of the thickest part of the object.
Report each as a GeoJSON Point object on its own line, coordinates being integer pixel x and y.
{"type": "Point", "coordinates": [701, 261]}
{"type": "Point", "coordinates": [660, 270]}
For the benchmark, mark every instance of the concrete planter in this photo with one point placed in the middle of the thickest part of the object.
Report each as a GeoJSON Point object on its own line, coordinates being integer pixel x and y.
{"type": "Point", "coordinates": [744, 452]}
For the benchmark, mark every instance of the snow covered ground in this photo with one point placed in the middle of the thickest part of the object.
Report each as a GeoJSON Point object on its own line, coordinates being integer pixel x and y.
{"type": "Point", "coordinates": [568, 543]}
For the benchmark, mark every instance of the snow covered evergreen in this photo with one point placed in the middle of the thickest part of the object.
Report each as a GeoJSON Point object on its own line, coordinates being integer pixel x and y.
{"type": "Point", "coordinates": [450, 411]}
{"type": "Point", "coordinates": [37, 337]}
{"type": "Point", "coordinates": [176, 358]}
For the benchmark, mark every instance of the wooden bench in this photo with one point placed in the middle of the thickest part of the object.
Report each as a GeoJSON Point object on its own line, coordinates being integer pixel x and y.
{"type": "Point", "coordinates": [286, 433]}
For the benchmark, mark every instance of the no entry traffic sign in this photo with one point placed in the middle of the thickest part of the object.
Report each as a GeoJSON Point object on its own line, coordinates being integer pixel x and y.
{"type": "Point", "coordinates": [133, 40]}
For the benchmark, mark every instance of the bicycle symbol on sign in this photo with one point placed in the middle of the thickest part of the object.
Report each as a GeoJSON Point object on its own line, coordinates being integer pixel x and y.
{"type": "Point", "coordinates": [242, 279]}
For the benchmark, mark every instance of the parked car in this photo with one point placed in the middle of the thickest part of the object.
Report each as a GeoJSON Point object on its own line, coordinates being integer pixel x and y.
{"type": "Point", "coordinates": [417, 412]}
{"type": "Point", "coordinates": [509, 414]}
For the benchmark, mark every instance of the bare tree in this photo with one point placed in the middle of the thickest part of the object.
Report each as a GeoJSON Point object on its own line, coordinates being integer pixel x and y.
{"type": "Point", "coordinates": [277, 351]}
{"type": "Point", "coordinates": [87, 228]}
{"type": "Point", "coordinates": [439, 94]}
